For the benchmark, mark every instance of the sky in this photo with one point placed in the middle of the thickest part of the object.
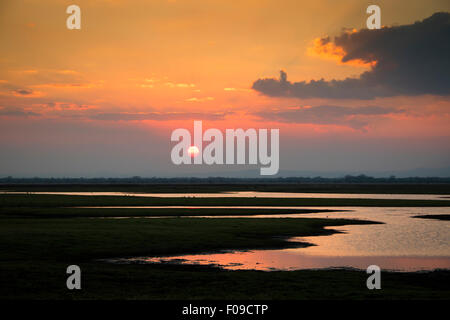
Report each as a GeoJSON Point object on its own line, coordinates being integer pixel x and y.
{"type": "Point", "coordinates": [103, 100]}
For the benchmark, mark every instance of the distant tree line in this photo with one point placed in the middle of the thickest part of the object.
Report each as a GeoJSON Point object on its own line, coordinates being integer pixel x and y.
{"type": "Point", "coordinates": [222, 180]}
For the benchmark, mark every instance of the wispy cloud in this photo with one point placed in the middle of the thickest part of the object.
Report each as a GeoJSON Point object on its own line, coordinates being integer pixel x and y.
{"type": "Point", "coordinates": [203, 99]}
{"type": "Point", "coordinates": [354, 117]}
{"type": "Point", "coordinates": [139, 116]}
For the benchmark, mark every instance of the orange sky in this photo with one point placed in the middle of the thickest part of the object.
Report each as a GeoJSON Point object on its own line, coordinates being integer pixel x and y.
{"type": "Point", "coordinates": [180, 60]}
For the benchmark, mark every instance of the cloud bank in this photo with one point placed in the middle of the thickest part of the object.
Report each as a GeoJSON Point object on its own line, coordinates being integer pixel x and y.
{"type": "Point", "coordinates": [405, 60]}
{"type": "Point", "coordinates": [353, 117]}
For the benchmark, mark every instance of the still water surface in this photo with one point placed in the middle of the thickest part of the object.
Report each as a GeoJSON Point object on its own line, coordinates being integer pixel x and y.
{"type": "Point", "coordinates": [401, 243]}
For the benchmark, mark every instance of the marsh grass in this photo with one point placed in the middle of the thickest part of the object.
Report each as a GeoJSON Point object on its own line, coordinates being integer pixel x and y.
{"type": "Point", "coordinates": [38, 240]}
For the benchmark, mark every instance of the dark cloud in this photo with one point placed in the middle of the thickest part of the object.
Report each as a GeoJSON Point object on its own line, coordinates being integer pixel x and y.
{"type": "Point", "coordinates": [126, 116]}
{"type": "Point", "coordinates": [410, 60]}
{"type": "Point", "coordinates": [16, 112]}
{"type": "Point", "coordinates": [354, 117]}
{"type": "Point", "coordinates": [23, 92]}
{"type": "Point", "coordinates": [8, 87]}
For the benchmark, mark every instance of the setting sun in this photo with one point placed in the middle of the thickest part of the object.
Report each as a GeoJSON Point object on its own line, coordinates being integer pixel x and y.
{"type": "Point", "coordinates": [193, 151]}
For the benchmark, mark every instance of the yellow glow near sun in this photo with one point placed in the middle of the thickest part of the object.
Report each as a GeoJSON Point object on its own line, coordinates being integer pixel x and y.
{"type": "Point", "coordinates": [193, 151]}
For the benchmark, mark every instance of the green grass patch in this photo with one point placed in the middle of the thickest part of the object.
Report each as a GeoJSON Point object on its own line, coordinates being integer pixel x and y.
{"type": "Point", "coordinates": [215, 187]}
{"type": "Point", "coordinates": [41, 280]}
{"type": "Point", "coordinates": [39, 200]}
{"type": "Point", "coordinates": [83, 239]}
{"type": "Point", "coordinates": [70, 212]}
